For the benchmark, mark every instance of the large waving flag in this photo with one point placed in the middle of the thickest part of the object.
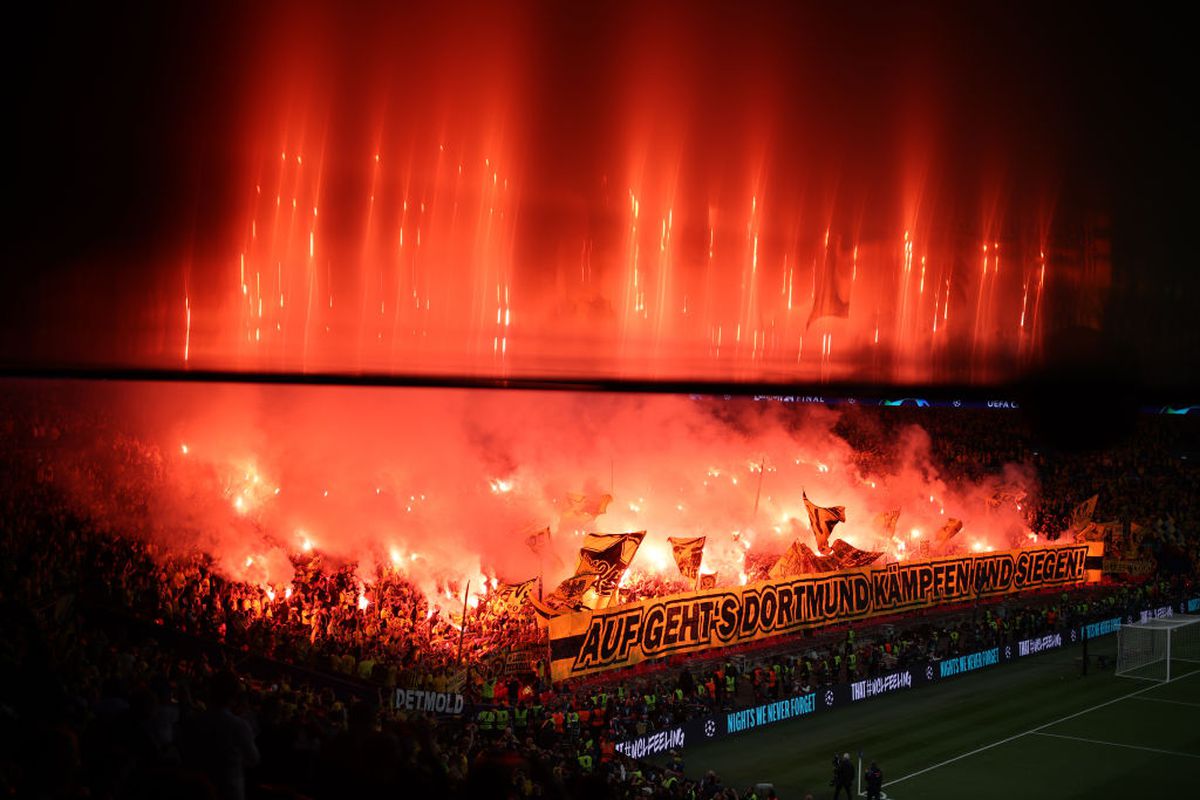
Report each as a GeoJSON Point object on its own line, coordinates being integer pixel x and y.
{"type": "Point", "coordinates": [847, 556]}
{"type": "Point", "coordinates": [567, 597]}
{"type": "Point", "coordinates": [512, 596]}
{"type": "Point", "coordinates": [538, 540]}
{"type": "Point", "coordinates": [592, 505]}
{"type": "Point", "coordinates": [949, 530]}
{"type": "Point", "coordinates": [688, 555]}
{"type": "Point", "coordinates": [794, 561]}
{"type": "Point", "coordinates": [1082, 514]}
{"type": "Point", "coordinates": [580, 511]}
{"type": "Point", "coordinates": [886, 522]}
{"type": "Point", "coordinates": [822, 520]}
{"type": "Point", "coordinates": [801, 560]}
{"type": "Point", "coordinates": [608, 556]}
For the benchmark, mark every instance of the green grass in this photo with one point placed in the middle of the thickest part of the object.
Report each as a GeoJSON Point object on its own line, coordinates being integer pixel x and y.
{"type": "Point", "coordinates": [1028, 729]}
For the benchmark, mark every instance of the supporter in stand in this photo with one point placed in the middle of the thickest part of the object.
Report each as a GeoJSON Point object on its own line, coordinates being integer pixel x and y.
{"type": "Point", "coordinates": [219, 741]}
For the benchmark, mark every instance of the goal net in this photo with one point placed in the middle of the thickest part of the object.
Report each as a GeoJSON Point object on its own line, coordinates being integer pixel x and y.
{"type": "Point", "coordinates": [1158, 649]}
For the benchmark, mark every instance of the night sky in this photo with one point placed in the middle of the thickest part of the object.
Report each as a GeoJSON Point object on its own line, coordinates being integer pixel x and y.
{"type": "Point", "coordinates": [127, 126]}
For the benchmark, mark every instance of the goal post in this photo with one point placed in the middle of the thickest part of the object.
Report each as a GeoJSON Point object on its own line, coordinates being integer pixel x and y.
{"type": "Point", "coordinates": [1157, 649]}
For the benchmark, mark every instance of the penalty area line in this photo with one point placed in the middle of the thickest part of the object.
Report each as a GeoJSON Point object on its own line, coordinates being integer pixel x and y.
{"type": "Point", "coordinates": [1038, 729]}
{"type": "Point", "coordinates": [1119, 744]}
{"type": "Point", "coordinates": [1171, 702]}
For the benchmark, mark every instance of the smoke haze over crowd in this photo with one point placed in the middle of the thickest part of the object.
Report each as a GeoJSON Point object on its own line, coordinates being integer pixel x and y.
{"type": "Point", "coordinates": [446, 485]}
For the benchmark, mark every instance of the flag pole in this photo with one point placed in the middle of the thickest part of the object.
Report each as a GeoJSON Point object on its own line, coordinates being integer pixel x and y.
{"type": "Point", "coordinates": [463, 630]}
{"type": "Point", "coordinates": [762, 468]}
{"type": "Point", "coordinates": [542, 560]}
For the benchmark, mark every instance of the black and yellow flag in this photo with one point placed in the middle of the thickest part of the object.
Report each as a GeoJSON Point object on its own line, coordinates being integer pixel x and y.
{"type": "Point", "coordinates": [822, 520]}
{"type": "Point", "coordinates": [886, 522]}
{"type": "Point", "coordinates": [1082, 514]}
{"type": "Point", "coordinates": [846, 556]}
{"type": "Point", "coordinates": [688, 555]}
{"type": "Point", "coordinates": [512, 596]}
{"type": "Point", "coordinates": [587, 505]}
{"type": "Point", "coordinates": [949, 530]}
{"type": "Point", "coordinates": [793, 562]}
{"type": "Point", "coordinates": [608, 555]}
{"type": "Point", "coordinates": [800, 560]}
{"type": "Point", "coordinates": [566, 597]}
{"type": "Point", "coordinates": [538, 540]}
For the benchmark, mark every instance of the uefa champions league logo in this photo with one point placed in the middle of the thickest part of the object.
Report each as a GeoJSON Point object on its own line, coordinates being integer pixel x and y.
{"type": "Point", "coordinates": [929, 673]}
{"type": "Point", "coordinates": [1008, 651]}
{"type": "Point", "coordinates": [829, 698]}
{"type": "Point", "coordinates": [710, 728]}
{"type": "Point", "coordinates": [1073, 634]}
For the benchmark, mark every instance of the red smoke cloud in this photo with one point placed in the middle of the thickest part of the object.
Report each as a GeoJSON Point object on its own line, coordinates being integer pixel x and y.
{"type": "Point", "coordinates": [448, 484]}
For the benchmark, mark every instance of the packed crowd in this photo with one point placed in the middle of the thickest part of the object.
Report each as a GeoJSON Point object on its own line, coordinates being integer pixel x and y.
{"type": "Point", "coordinates": [111, 707]}
{"type": "Point", "coordinates": [131, 671]}
{"type": "Point", "coordinates": [1150, 476]}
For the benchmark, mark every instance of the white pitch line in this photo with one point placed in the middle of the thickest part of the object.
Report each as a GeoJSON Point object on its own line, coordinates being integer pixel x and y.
{"type": "Point", "coordinates": [1172, 702]}
{"type": "Point", "coordinates": [1119, 744]}
{"type": "Point", "coordinates": [1035, 730]}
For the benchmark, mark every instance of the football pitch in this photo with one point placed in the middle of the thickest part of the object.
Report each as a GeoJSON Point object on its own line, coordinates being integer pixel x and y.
{"type": "Point", "coordinates": [1030, 729]}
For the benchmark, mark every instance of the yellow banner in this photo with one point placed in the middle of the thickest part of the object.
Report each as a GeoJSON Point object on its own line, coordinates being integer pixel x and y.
{"type": "Point", "coordinates": [587, 642]}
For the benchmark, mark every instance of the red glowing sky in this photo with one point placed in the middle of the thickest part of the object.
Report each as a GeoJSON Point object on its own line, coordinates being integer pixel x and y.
{"type": "Point", "coordinates": [661, 180]}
